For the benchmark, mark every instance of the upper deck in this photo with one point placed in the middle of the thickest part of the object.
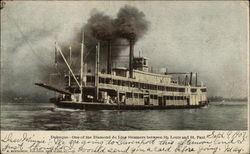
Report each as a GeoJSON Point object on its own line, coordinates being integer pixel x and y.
{"type": "Point", "coordinates": [120, 79]}
{"type": "Point", "coordinates": [141, 80]}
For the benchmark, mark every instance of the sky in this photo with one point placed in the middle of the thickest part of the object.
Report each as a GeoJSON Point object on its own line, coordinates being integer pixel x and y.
{"type": "Point", "coordinates": [210, 38]}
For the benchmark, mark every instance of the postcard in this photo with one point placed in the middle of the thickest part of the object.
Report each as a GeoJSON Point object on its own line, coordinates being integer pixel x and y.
{"type": "Point", "coordinates": [125, 77]}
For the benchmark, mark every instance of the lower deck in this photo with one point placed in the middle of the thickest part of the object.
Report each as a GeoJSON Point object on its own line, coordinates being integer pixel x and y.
{"type": "Point", "coordinates": [103, 106]}
{"type": "Point", "coordinates": [139, 97]}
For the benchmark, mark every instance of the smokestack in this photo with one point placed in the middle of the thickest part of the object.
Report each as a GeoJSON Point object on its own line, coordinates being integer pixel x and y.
{"type": "Point", "coordinates": [109, 60]}
{"type": "Point", "coordinates": [186, 79]}
{"type": "Point", "coordinates": [131, 58]}
{"type": "Point", "coordinates": [56, 55]}
{"type": "Point", "coordinates": [166, 73]}
{"type": "Point", "coordinates": [196, 79]}
{"type": "Point", "coordinates": [191, 76]}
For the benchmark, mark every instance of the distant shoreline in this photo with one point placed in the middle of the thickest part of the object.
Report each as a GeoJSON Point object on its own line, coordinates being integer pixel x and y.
{"type": "Point", "coordinates": [231, 100]}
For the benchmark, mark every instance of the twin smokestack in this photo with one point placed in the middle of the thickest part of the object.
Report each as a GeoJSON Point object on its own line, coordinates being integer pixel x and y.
{"type": "Point", "coordinates": [129, 23]}
{"type": "Point", "coordinates": [131, 58]}
{"type": "Point", "coordinates": [109, 60]}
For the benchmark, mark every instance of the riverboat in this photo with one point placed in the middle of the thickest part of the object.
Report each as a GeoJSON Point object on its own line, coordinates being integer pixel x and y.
{"type": "Point", "coordinates": [121, 88]}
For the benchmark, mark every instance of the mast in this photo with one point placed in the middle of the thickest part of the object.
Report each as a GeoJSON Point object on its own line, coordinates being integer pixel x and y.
{"type": "Point", "coordinates": [81, 71]}
{"type": "Point", "coordinates": [97, 71]}
{"type": "Point", "coordinates": [58, 49]}
{"type": "Point", "coordinates": [56, 59]}
{"type": "Point", "coordinates": [69, 65]}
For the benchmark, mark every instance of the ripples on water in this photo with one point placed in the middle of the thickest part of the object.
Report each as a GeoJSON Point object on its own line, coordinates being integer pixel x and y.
{"type": "Point", "coordinates": [45, 116]}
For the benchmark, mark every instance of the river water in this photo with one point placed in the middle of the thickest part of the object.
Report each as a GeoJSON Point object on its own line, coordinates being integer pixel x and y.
{"type": "Point", "coordinates": [46, 116]}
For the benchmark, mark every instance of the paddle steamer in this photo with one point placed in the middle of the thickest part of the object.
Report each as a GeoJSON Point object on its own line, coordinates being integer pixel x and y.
{"type": "Point", "coordinates": [121, 88]}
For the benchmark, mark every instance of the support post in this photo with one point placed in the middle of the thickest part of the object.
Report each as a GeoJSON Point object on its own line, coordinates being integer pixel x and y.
{"type": "Point", "coordinates": [118, 97]}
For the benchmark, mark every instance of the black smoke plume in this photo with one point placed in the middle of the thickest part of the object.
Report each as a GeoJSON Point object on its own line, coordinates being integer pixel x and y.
{"type": "Point", "coordinates": [130, 24]}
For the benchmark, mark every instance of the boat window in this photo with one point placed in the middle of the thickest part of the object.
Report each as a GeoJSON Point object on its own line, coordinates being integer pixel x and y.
{"type": "Point", "coordinates": [108, 81]}
{"type": "Point", "coordinates": [193, 90]}
{"type": "Point", "coordinates": [101, 80]}
{"type": "Point", "coordinates": [129, 84]}
{"type": "Point", "coordinates": [119, 82]}
{"type": "Point", "coordinates": [181, 89]}
{"type": "Point", "coordinates": [129, 95]}
{"type": "Point", "coordinates": [164, 98]}
{"type": "Point", "coordinates": [126, 83]}
{"type": "Point", "coordinates": [151, 96]}
{"type": "Point", "coordinates": [155, 96]}
{"type": "Point", "coordinates": [140, 85]}
{"type": "Point", "coordinates": [115, 82]}
{"type": "Point", "coordinates": [167, 97]}
{"type": "Point", "coordinates": [140, 95]}
{"type": "Point", "coordinates": [90, 79]}
{"type": "Point", "coordinates": [203, 90]}
{"type": "Point", "coordinates": [136, 84]}
{"type": "Point", "coordinates": [163, 88]}
{"type": "Point", "coordinates": [143, 85]}
{"type": "Point", "coordinates": [122, 83]}
{"type": "Point", "coordinates": [136, 95]}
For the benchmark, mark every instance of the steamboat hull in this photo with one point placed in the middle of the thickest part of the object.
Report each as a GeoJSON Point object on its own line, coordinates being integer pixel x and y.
{"type": "Point", "coordinates": [102, 106]}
